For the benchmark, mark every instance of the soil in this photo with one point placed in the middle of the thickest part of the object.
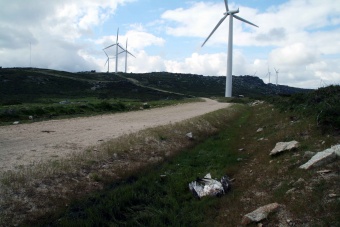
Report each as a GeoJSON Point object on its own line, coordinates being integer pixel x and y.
{"type": "Point", "coordinates": [26, 144]}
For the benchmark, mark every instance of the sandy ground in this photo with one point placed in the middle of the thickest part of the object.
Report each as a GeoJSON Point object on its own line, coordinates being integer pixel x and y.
{"type": "Point", "coordinates": [24, 144]}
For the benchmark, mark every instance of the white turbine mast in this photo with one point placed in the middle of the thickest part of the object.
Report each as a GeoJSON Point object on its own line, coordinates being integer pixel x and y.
{"type": "Point", "coordinates": [268, 74]}
{"type": "Point", "coordinates": [127, 52]}
{"type": "Point", "coordinates": [277, 76]}
{"type": "Point", "coordinates": [231, 13]}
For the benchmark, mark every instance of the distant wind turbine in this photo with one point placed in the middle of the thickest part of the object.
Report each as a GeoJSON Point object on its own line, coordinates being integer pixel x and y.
{"type": "Point", "coordinates": [107, 61]}
{"type": "Point", "coordinates": [277, 76]}
{"type": "Point", "coordinates": [228, 90]}
{"type": "Point", "coordinates": [127, 52]}
{"type": "Point", "coordinates": [117, 53]}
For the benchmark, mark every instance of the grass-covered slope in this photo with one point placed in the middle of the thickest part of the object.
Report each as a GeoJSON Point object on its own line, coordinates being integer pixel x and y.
{"type": "Point", "coordinates": [323, 105]}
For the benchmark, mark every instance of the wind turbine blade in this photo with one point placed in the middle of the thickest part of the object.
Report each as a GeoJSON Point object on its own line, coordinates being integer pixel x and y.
{"type": "Point", "coordinates": [218, 24]}
{"type": "Point", "coordinates": [121, 47]}
{"type": "Point", "coordinates": [106, 61]}
{"type": "Point", "coordinates": [226, 5]}
{"type": "Point", "coordinates": [241, 19]}
{"type": "Point", "coordinates": [106, 54]}
{"type": "Point", "coordinates": [131, 54]}
{"type": "Point", "coordinates": [109, 46]}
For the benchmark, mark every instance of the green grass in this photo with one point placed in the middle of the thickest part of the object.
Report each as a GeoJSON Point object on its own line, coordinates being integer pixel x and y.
{"type": "Point", "coordinates": [147, 199]}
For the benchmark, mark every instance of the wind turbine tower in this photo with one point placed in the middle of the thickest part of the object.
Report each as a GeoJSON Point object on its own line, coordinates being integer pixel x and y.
{"type": "Point", "coordinates": [268, 74]}
{"type": "Point", "coordinates": [231, 13]}
{"type": "Point", "coordinates": [127, 52]}
{"type": "Point", "coordinates": [277, 76]}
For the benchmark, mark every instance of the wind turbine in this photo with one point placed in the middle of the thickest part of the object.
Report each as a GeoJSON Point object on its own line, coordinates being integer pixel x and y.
{"type": "Point", "coordinates": [127, 52]}
{"type": "Point", "coordinates": [107, 62]}
{"type": "Point", "coordinates": [231, 13]}
{"type": "Point", "coordinates": [117, 46]}
{"type": "Point", "coordinates": [277, 75]}
{"type": "Point", "coordinates": [268, 74]}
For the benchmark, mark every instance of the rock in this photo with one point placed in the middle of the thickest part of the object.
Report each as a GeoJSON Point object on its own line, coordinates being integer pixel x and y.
{"type": "Point", "coordinates": [284, 146]}
{"type": "Point", "coordinates": [260, 130]}
{"type": "Point", "coordinates": [290, 191]}
{"type": "Point", "coordinates": [322, 158]}
{"type": "Point", "coordinates": [189, 135]}
{"type": "Point", "coordinates": [332, 195]}
{"type": "Point", "coordinates": [299, 182]}
{"type": "Point", "coordinates": [30, 117]}
{"type": "Point", "coordinates": [260, 213]}
{"type": "Point", "coordinates": [16, 122]}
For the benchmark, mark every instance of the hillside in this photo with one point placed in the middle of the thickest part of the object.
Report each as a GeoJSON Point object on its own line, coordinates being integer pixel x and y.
{"type": "Point", "coordinates": [199, 85]}
{"type": "Point", "coordinates": [19, 85]}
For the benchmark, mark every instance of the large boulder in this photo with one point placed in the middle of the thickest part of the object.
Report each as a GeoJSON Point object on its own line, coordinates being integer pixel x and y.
{"type": "Point", "coordinates": [284, 146]}
{"type": "Point", "coordinates": [260, 213]}
{"type": "Point", "coordinates": [322, 158]}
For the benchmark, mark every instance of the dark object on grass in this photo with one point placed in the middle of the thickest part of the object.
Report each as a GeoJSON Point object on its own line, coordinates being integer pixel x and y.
{"type": "Point", "coordinates": [208, 186]}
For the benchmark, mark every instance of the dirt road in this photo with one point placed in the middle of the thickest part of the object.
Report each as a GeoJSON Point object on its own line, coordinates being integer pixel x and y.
{"type": "Point", "coordinates": [24, 144]}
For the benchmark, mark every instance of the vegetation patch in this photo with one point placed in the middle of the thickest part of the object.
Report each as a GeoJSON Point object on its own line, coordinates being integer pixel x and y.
{"type": "Point", "coordinates": [44, 189]}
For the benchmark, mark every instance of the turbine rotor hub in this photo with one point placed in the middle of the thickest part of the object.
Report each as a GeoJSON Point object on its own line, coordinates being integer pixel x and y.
{"type": "Point", "coordinates": [232, 12]}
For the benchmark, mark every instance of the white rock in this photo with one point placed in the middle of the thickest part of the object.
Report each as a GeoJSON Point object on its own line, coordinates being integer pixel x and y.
{"type": "Point", "coordinates": [189, 135]}
{"type": "Point", "coordinates": [284, 146]}
{"type": "Point", "coordinates": [322, 157]}
{"type": "Point", "coordinates": [16, 122]}
{"type": "Point", "coordinates": [260, 213]}
{"type": "Point", "coordinates": [259, 130]}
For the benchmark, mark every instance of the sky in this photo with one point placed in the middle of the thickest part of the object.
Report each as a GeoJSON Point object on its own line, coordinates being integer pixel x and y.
{"type": "Point", "coordinates": [299, 38]}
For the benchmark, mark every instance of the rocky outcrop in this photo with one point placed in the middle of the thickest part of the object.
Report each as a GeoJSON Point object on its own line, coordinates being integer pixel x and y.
{"type": "Point", "coordinates": [284, 146]}
{"type": "Point", "coordinates": [322, 157]}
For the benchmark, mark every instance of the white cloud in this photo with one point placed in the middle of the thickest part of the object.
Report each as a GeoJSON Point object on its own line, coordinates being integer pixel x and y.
{"type": "Point", "coordinates": [55, 29]}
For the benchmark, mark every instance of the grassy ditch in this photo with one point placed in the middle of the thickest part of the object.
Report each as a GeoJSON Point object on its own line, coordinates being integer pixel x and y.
{"type": "Point", "coordinates": [159, 195]}
{"type": "Point", "coordinates": [42, 191]}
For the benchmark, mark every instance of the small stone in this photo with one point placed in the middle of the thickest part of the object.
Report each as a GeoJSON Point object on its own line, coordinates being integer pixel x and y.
{"type": "Point", "coordinates": [260, 213]}
{"type": "Point", "coordinates": [189, 135]}
{"type": "Point", "coordinates": [290, 191]}
{"type": "Point", "coordinates": [16, 122]}
{"type": "Point", "coordinates": [332, 195]}
{"type": "Point", "coordinates": [284, 146]}
{"type": "Point", "coordinates": [259, 130]}
{"type": "Point", "coordinates": [324, 171]}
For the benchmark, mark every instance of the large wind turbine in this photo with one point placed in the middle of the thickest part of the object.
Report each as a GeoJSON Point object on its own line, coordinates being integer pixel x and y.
{"type": "Point", "coordinates": [127, 52]}
{"type": "Point", "coordinates": [231, 13]}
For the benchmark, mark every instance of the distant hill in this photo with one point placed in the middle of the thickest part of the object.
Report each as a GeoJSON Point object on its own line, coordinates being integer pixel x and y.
{"type": "Point", "coordinates": [29, 84]}
{"type": "Point", "coordinates": [199, 85]}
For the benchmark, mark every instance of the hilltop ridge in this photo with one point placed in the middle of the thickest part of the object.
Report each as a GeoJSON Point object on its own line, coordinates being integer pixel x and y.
{"type": "Point", "coordinates": [27, 84]}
